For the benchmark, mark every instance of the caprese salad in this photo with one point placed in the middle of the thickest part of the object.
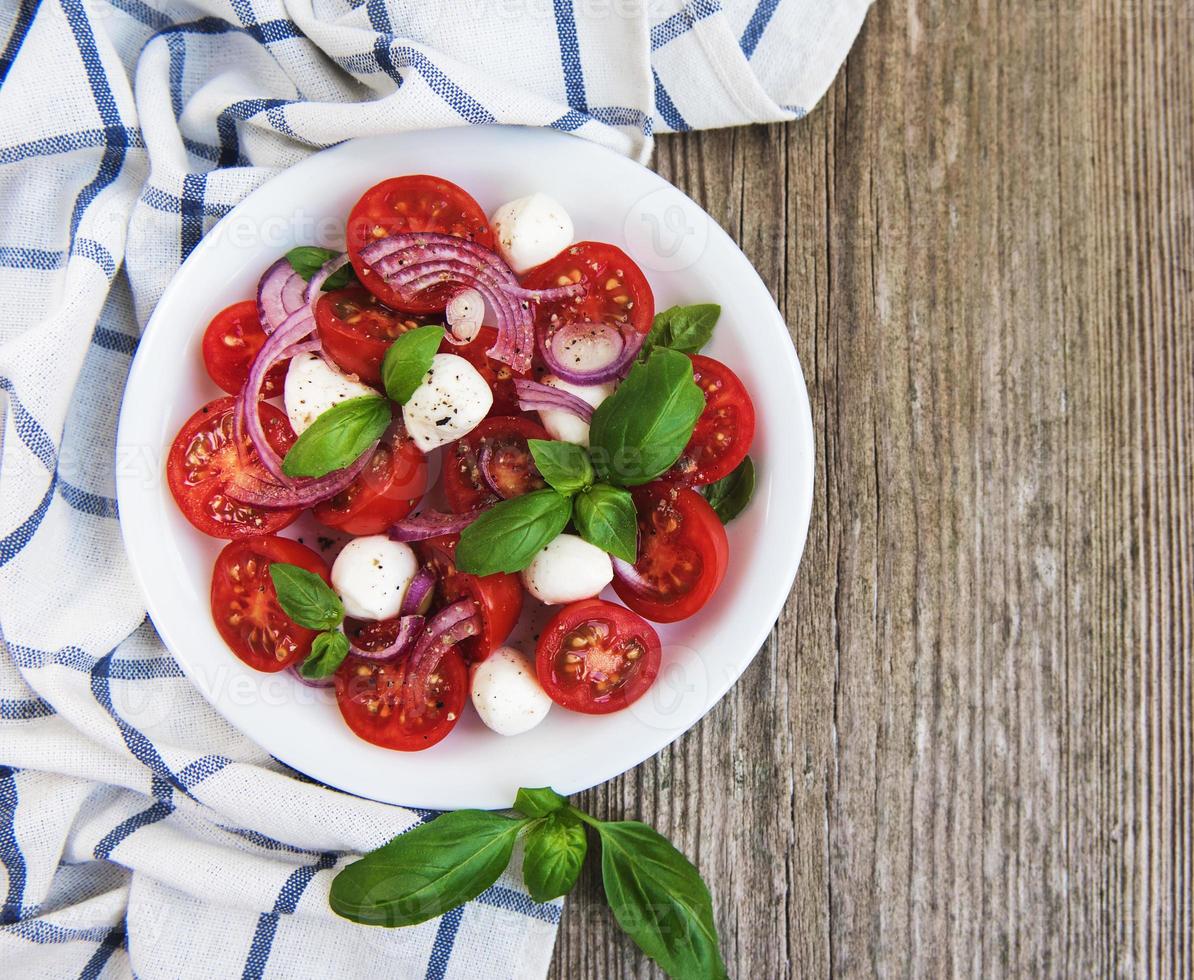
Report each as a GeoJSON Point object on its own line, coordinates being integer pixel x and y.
{"type": "Point", "coordinates": [583, 440]}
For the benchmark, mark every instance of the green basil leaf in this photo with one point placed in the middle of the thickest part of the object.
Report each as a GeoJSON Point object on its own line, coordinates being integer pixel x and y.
{"type": "Point", "coordinates": [555, 851]}
{"type": "Point", "coordinates": [683, 328]}
{"type": "Point", "coordinates": [564, 465]}
{"type": "Point", "coordinates": [659, 899]}
{"type": "Point", "coordinates": [408, 360]}
{"type": "Point", "coordinates": [305, 597]}
{"type": "Point", "coordinates": [506, 537]}
{"type": "Point", "coordinates": [730, 495]}
{"type": "Point", "coordinates": [307, 260]}
{"type": "Point", "coordinates": [426, 871]}
{"type": "Point", "coordinates": [327, 653]}
{"type": "Point", "coordinates": [641, 429]}
{"type": "Point", "coordinates": [538, 802]}
{"type": "Point", "coordinates": [338, 436]}
{"type": "Point", "coordinates": [605, 516]}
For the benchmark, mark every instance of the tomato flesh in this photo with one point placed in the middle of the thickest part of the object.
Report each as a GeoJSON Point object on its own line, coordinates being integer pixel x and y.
{"type": "Point", "coordinates": [723, 433]}
{"type": "Point", "coordinates": [500, 377]}
{"type": "Point", "coordinates": [244, 605]}
{"type": "Point", "coordinates": [616, 291]}
{"type": "Point", "coordinates": [231, 342]}
{"type": "Point", "coordinates": [389, 488]}
{"type": "Point", "coordinates": [503, 438]}
{"type": "Point", "coordinates": [205, 460]}
{"type": "Point", "coordinates": [682, 554]}
{"type": "Point", "coordinates": [596, 657]}
{"type": "Point", "coordinates": [357, 330]}
{"type": "Point", "coordinates": [416, 202]}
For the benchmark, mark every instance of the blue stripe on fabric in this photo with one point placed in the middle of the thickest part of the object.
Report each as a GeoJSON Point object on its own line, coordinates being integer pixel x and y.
{"type": "Point", "coordinates": [48, 933]}
{"type": "Point", "coordinates": [617, 115]}
{"type": "Point", "coordinates": [178, 54]}
{"type": "Point", "coordinates": [193, 773]}
{"type": "Point", "coordinates": [86, 502]}
{"type": "Point", "coordinates": [25, 709]}
{"type": "Point", "coordinates": [156, 668]}
{"type": "Point", "coordinates": [264, 841]}
{"type": "Point", "coordinates": [12, 544]}
{"type": "Point", "coordinates": [270, 31]}
{"type": "Point", "coordinates": [194, 190]}
{"type": "Point", "coordinates": [141, 12]}
{"type": "Point", "coordinates": [286, 903]}
{"type": "Point", "coordinates": [570, 121]}
{"type": "Point", "coordinates": [445, 940]}
{"type": "Point", "coordinates": [167, 203]}
{"type": "Point", "coordinates": [10, 851]}
{"type": "Point", "coordinates": [756, 25]}
{"type": "Point", "coordinates": [114, 340]}
{"type": "Point", "coordinates": [20, 29]}
{"type": "Point", "coordinates": [681, 22]}
{"type": "Point", "coordinates": [389, 58]}
{"type": "Point", "coordinates": [667, 108]}
{"type": "Point", "coordinates": [30, 431]}
{"type": "Point", "coordinates": [16, 257]}
{"type": "Point", "coordinates": [512, 901]}
{"type": "Point", "coordinates": [574, 78]}
{"type": "Point", "coordinates": [112, 942]}
{"type": "Point", "coordinates": [88, 248]}
{"type": "Point", "coordinates": [84, 139]}
{"type": "Point", "coordinates": [126, 828]}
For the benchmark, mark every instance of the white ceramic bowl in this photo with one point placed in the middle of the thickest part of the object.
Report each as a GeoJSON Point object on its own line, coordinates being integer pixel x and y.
{"type": "Point", "coordinates": [687, 259]}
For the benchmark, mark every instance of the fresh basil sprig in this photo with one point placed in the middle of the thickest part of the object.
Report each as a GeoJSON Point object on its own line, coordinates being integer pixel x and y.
{"type": "Point", "coordinates": [564, 465]}
{"type": "Point", "coordinates": [338, 436]}
{"type": "Point", "coordinates": [656, 894]}
{"type": "Point", "coordinates": [307, 260]}
{"type": "Point", "coordinates": [605, 516]}
{"type": "Point", "coordinates": [408, 360]}
{"type": "Point", "coordinates": [507, 536]}
{"type": "Point", "coordinates": [683, 328]}
{"type": "Point", "coordinates": [309, 601]}
{"type": "Point", "coordinates": [729, 496]}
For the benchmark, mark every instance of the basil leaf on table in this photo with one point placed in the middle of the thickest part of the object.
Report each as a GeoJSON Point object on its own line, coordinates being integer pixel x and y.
{"type": "Point", "coordinates": [305, 597]}
{"type": "Point", "coordinates": [307, 260]}
{"type": "Point", "coordinates": [729, 496]}
{"type": "Point", "coordinates": [564, 465]}
{"type": "Point", "coordinates": [555, 849]}
{"type": "Point", "coordinates": [338, 436]}
{"type": "Point", "coordinates": [605, 516]}
{"type": "Point", "coordinates": [539, 802]}
{"type": "Point", "coordinates": [327, 653]}
{"type": "Point", "coordinates": [659, 899]}
{"type": "Point", "coordinates": [683, 328]}
{"type": "Point", "coordinates": [427, 871]}
{"type": "Point", "coordinates": [641, 429]}
{"type": "Point", "coordinates": [408, 360]}
{"type": "Point", "coordinates": [506, 537]}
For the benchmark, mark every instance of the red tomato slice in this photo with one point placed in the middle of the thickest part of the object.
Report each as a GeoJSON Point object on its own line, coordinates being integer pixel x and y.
{"type": "Point", "coordinates": [724, 431]}
{"type": "Point", "coordinates": [500, 377]}
{"type": "Point", "coordinates": [205, 460]}
{"type": "Point", "coordinates": [388, 489]}
{"type": "Point", "coordinates": [597, 657]}
{"type": "Point", "coordinates": [230, 343]}
{"type": "Point", "coordinates": [511, 466]}
{"type": "Point", "coordinates": [370, 698]}
{"type": "Point", "coordinates": [357, 330]}
{"type": "Point", "coordinates": [682, 554]}
{"type": "Point", "coordinates": [244, 605]}
{"type": "Point", "coordinates": [616, 289]}
{"type": "Point", "coordinates": [498, 597]}
{"type": "Point", "coordinates": [413, 203]}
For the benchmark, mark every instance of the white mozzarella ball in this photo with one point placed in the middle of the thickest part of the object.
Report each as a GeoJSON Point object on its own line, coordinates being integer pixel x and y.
{"type": "Point", "coordinates": [507, 694]}
{"type": "Point", "coordinates": [452, 399]}
{"type": "Point", "coordinates": [564, 425]}
{"type": "Point", "coordinates": [313, 386]}
{"type": "Point", "coordinates": [567, 569]}
{"type": "Point", "coordinates": [372, 574]}
{"type": "Point", "coordinates": [531, 230]}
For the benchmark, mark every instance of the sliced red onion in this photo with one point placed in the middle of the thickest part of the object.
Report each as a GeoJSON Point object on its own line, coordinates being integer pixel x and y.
{"type": "Point", "coordinates": [589, 353]}
{"type": "Point", "coordinates": [315, 283]}
{"type": "Point", "coordinates": [464, 314]}
{"type": "Point", "coordinates": [328, 681]}
{"type": "Point", "coordinates": [410, 629]}
{"type": "Point", "coordinates": [279, 293]}
{"type": "Point", "coordinates": [431, 524]}
{"type": "Point", "coordinates": [536, 397]}
{"type": "Point", "coordinates": [420, 587]}
{"type": "Point", "coordinates": [248, 489]}
{"type": "Point", "coordinates": [448, 627]}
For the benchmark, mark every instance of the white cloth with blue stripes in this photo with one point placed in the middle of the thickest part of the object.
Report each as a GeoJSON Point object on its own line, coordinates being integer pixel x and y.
{"type": "Point", "coordinates": [139, 833]}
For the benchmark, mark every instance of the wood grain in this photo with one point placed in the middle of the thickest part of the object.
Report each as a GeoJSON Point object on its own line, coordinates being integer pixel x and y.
{"type": "Point", "coordinates": [966, 749]}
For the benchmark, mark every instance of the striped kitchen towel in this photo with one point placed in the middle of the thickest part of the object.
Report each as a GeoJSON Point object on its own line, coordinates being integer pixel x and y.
{"type": "Point", "coordinates": [139, 833]}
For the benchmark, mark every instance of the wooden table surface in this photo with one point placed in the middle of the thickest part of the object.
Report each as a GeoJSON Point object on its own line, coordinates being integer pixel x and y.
{"type": "Point", "coordinates": [966, 748]}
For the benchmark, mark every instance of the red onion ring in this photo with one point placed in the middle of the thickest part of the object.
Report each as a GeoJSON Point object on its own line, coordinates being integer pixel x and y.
{"type": "Point", "coordinates": [536, 397]}
{"type": "Point", "coordinates": [431, 524]}
{"type": "Point", "coordinates": [279, 293]}
{"type": "Point", "coordinates": [248, 489]}
{"type": "Point", "coordinates": [418, 590]}
{"type": "Point", "coordinates": [315, 283]}
{"type": "Point", "coordinates": [410, 629]}
{"type": "Point", "coordinates": [552, 349]}
{"type": "Point", "coordinates": [449, 626]}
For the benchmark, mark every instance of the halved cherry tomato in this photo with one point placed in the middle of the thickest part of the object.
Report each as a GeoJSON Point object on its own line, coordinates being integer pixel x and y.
{"type": "Point", "coordinates": [369, 694]}
{"type": "Point", "coordinates": [597, 657]}
{"type": "Point", "coordinates": [244, 605]}
{"type": "Point", "coordinates": [500, 377]}
{"type": "Point", "coordinates": [511, 466]}
{"type": "Point", "coordinates": [373, 635]}
{"type": "Point", "coordinates": [357, 330]}
{"type": "Point", "coordinates": [387, 490]}
{"type": "Point", "coordinates": [230, 343]}
{"type": "Point", "coordinates": [204, 461]}
{"type": "Point", "coordinates": [682, 554]}
{"type": "Point", "coordinates": [413, 203]}
{"type": "Point", "coordinates": [498, 597]}
{"type": "Point", "coordinates": [724, 431]}
{"type": "Point", "coordinates": [616, 289]}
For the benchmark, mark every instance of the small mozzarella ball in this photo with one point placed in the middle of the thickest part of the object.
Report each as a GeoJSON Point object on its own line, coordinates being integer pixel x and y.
{"type": "Point", "coordinates": [531, 230]}
{"type": "Point", "coordinates": [567, 569]}
{"type": "Point", "coordinates": [564, 425]}
{"type": "Point", "coordinates": [313, 386]}
{"type": "Point", "coordinates": [450, 403]}
{"type": "Point", "coordinates": [372, 574]}
{"type": "Point", "coordinates": [507, 694]}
